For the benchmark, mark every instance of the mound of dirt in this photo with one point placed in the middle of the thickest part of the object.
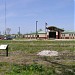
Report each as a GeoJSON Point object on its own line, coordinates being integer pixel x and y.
{"type": "Point", "coordinates": [48, 53]}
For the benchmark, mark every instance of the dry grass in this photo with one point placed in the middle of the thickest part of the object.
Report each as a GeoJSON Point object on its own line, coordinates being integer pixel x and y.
{"type": "Point", "coordinates": [25, 52]}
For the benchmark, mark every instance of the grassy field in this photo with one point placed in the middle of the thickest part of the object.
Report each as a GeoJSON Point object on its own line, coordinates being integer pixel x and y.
{"type": "Point", "coordinates": [23, 59]}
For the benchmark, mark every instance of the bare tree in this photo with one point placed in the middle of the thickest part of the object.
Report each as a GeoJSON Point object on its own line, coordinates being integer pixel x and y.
{"type": "Point", "coordinates": [8, 30]}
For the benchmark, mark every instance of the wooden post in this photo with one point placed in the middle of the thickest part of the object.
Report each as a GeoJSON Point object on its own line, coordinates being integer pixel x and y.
{"type": "Point", "coordinates": [7, 51]}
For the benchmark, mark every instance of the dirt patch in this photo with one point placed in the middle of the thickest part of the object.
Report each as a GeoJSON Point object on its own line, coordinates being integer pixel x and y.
{"type": "Point", "coordinates": [48, 53]}
{"type": "Point", "coordinates": [18, 57]}
{"type": "Point", "coordinates": [21, 57]}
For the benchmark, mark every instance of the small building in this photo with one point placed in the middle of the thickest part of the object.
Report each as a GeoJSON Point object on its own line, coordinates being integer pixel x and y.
{"type": "Point", "coordinates": [54, 32]}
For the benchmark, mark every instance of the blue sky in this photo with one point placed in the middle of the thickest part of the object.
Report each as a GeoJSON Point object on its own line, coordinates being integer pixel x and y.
{"type": "Point", "coordinates": [25, 13]}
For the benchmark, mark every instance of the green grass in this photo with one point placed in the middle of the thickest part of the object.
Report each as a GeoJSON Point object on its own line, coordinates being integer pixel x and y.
{"type": "Point", "coordinates": [35, 69]}
{"type": "Point", "coordinates": [22, 59]}
{"type": "Point", "coordinates": [34, 46]}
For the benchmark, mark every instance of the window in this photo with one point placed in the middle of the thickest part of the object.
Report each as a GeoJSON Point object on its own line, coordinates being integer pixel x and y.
{"type": "Point", "coordinates": [72, 34]}
{"type": "Point", "coordinates": [32, 35]}
{"type": "Point", "coordinates": [69, 34]}
{"type": "Point", "coordinates": [64, 34]}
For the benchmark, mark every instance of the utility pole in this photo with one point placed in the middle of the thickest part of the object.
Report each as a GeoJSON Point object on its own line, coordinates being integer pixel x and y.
{"type": "Point", "coordinates": [5, 17]}
{"type": "Point", "coordinates": [36, 29]}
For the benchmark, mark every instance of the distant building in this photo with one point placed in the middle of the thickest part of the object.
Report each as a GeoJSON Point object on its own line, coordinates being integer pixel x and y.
{"type": "Point", "coordinates": [51, 33]}
{"type": "Point", "coordinates": [68, 35]}
{"type": "Point", "coordinates": [40, 35]}
{"type": "Point", "coordinates": [54, 32]}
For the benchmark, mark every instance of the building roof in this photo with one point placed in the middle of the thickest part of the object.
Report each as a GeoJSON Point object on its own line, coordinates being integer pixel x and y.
{"type": "Point", "coordinates": [38, 32]}
{"type": "Point", "coordinates": [41, 32]}
{"type": "Point", "coordinates": [68, 32]}
{"type": "Point", "coordinates": [54, 28]}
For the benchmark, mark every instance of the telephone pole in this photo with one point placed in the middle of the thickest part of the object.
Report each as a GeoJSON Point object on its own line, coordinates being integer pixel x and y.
{"type": "Point", "coordinates": [5, 17]}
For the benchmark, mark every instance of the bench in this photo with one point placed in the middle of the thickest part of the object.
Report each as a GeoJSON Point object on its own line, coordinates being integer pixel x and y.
{"type": "Point", "coordinates": [4, 47]}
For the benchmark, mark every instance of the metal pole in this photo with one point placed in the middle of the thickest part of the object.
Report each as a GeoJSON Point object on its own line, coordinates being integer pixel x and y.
{"type": "Point", "coordinates": [36, 29]}
{"type": "Point", "coordinates": [45, 29]}
{"type": "Point", "coordinates": [5, 17]}
{"type": "Point", "coordinates": [19, 30]}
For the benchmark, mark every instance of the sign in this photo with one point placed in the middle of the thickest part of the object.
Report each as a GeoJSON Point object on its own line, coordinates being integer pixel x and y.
{"type": "Point", "coordinates": [3, 46]}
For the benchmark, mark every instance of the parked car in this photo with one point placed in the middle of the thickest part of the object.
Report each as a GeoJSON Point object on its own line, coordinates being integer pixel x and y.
{"type": "Point", "coordinates": [8, 38]}
{"type": "Point", "coordinates": [1, 37]}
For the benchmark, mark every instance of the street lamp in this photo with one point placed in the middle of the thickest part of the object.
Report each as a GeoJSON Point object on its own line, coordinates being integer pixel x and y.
{"type": "Point", "coordinates": [36, 29]}
{"type": "Point", "coordinates": [45, 29]}
{"type": "Point", "coordinates": [19, 31]}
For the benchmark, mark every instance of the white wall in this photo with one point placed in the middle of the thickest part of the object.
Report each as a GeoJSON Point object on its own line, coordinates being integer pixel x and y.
{"type": "Point", "coordinates": [42, 35]}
